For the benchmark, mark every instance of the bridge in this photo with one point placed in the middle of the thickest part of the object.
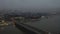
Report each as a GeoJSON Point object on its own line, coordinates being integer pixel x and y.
{"type": "Point", "coordinates": [26, 29]}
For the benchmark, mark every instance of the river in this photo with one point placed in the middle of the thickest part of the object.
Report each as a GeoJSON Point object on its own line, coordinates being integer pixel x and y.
{"type": "Point", "coordinates": [10, 30]}
{"type": "Point", "coordinates": [52, 24]}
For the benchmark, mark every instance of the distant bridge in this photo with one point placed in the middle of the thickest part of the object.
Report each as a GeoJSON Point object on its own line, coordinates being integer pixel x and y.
{"type": "Point", "coordinates": [26, 29]}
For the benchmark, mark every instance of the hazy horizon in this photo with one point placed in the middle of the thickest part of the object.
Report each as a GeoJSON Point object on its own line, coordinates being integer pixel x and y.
{"type": "Point", "coordinates": [12, 4]}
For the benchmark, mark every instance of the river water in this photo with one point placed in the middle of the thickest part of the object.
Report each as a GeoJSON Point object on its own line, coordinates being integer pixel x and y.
{"type": "Point", "coordinates": [10, 30]}
{"type": "Point", "coordinates": [52, 24]}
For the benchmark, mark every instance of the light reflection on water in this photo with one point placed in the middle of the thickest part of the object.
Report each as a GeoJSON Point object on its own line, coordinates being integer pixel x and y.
{"type": "Point", "coordinates": [2, 28]}
{"type": "Point", "coordinates": [10, 29]}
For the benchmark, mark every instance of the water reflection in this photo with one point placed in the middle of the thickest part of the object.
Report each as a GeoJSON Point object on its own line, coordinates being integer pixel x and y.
{"type": "Point", "coordinates": [2, 28]}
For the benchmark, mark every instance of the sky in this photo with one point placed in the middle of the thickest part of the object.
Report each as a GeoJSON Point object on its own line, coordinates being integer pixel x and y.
{"type": "Point", "coordinates": [29, 4]}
